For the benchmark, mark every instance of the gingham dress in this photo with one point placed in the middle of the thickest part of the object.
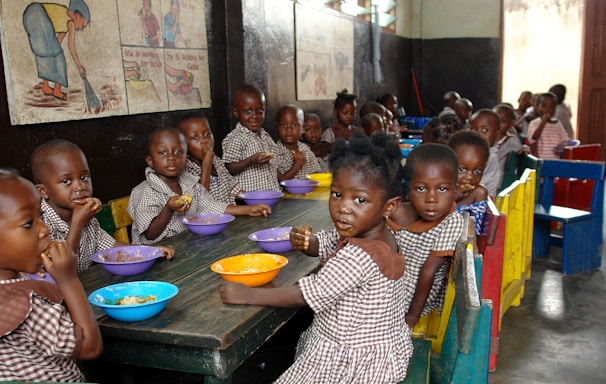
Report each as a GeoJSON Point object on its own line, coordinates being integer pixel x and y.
{"type": "Point", "coordinates": [241, 143]}
{"type": "Point", "coordinates": [287, 160]}
{"type": "Point", "coordinates": [332, 132]}
{"type": "Point", "coordinates": [358, 334]}
{"type": "Point", "coordinates": [92, 239]}
{"type": "Point", "coordinates": [149, 198]}
{"type": "Point", "coordinates": [416, 242]}
{"type": "Point", "coordinates": [38, 339]}
{"type": "Point", "coordinates": [223, 187]}
{"type": "Point", "coordinates": [493, 174]}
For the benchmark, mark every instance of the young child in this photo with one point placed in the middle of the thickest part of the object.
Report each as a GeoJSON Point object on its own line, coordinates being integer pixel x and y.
{"type": "Point", "coordinates": [507, 136]}
{"type": "Point", "coordinates": [40, 336]}
{"type": "Point", "coordinates": [201, 160]}
{"type": "Point", "coordinates": [63, 178]}
{"type": "Point", "coordinates": [358, 333]}
{"type": "Point", "coordinates": [472, 152]}
{"type": "Point", "coordinates": [345, 112]}
{"type": "Point", "coordinates": [439, 129]}
{"type": "Point", "coordinates": [248, 150]}
{"type": "Point", "coordinates": [547, 132]}
{"type": "Point", "coordinates": [463, 108]}
{"type": "Point", "coordinates": [312, 136]}
{"type": "Point", "coordinates": [426, 236]}
{"type": "Point", "coordinates": [372, 124]}
{"type": "Point", "coordinates": [168, 193]}
{"type": "Point", "coordinates": [296, 159]}
{"type": "Point", "coordinates": [487, 123]}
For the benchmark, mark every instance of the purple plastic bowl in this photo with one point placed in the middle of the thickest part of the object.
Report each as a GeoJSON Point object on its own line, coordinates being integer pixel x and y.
{"type": "Point", "coordinates": [273, 239]}
{"type": "Point", "coordinates": [207, 223]}
{"type": "Point", "coordinates": [128, 260]}
{"type": "Point", "coordinates": [299, 186]}
{"type": "Point", "coordinates": [261, 197]}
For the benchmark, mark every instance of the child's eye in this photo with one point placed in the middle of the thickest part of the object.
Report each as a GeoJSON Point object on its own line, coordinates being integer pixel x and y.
{"type": "Point", "coordinates": [178, 152]}
{"type": "Point", "coordinates": [478, 171]}
{"type": "Point", "coordinates": [28, 225]}
{"type": "Point", "coordinates": [66, 181]}
{"type": "Point", "coordinates": [162, 153]}
{"type": "Point", "coordinates": [207, 135]}
{"type": "Point", "coordinates": [442, 189]}
{"type": "Point", "coordinates": [195, 137]}
{"type": "Point", "coordinates": [420, 189]}
{"type": "Point", "coordinates": [85, 178]}
{"type": "Point", "coordinates": [359, 200]}
{"type": "Point", "coordinates": [462, 170]}
{"type": "Point", "coordinates": [335, 194]}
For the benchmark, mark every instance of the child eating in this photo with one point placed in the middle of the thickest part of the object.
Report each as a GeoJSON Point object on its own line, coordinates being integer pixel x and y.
{"type": "Point", "coordinates": [312, 136]}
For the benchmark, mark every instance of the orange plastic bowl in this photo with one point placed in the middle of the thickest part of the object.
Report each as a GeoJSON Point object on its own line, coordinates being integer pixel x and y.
{"type": "Point", "coordinates": [252, 269]}
{"type": "Point", "coordinates": [325, 178]}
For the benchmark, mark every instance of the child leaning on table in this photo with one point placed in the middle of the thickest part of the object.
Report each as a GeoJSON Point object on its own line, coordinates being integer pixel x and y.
{"type": "Point", "coordinates": [428, 243]}
{"type": "Point", "coordinates": [201, 160]}
{"type": "Point", "coordinates": [168, 193]}
{"type": "Point", "coordinates": [248, 150]}
{"type": "Point", "coordinates": [296, 159]}
{"type": "Point", "coordinates": [44, 327]}
{"type": "Point", "coordinates": [63, 178]}
{"type": "Point", "coordinates": [358, 333]}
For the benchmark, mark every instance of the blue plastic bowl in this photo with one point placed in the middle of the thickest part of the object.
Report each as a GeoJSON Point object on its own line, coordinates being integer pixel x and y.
{"type": "Point", "coordinates": [107, 297]}
{"type": "Point", "coordinates": [273, 239]}
{"type": "Point", "coordinates": [261, 197]}
{"type": "Point", "coordinates": [299, 186]}
{"type": "Point", "coordinates": [207, 223]}
{"type": "Point", "coordinates": [127, 260]}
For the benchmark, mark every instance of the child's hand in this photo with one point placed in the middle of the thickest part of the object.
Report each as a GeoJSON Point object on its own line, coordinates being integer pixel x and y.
{"type": "Point", "coordinates": [411, 320]}
{"type": "Point", "coordinates": [59, 260]}
{"type": "Point", "coordinates": [259, 210]}
{"type": "Point", "coordinates": [176, 203]}
{"type": "Point", "coordinates": [261, 157]}
{"type": "Point", "coordinates": [298, 157]}
{"type": "Point", "coordinates": [85, 209]}
{"type": "Point", "coordinates": [233, 293]}
{"type": "Point", "coordinates": [545, 118]}
{"type": "Point", "coordinates": [299, 237]}
{"type": "Point", "coordinates": [168, 252]}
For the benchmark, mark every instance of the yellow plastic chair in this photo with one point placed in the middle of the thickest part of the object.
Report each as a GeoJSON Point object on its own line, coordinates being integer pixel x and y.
{"type": "Point", "coordinates": [121, 218]}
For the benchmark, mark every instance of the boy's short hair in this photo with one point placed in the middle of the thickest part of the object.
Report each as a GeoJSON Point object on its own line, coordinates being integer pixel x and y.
{"type": "Point", "coordinates": [469, 137]}
{"type": "Point", "coordinates": [550, 95]}
{"type": "Point", "coordinates": [489, 112]}
{"type": "Point", "coordinates": [8, 174]}
{"type": "Point", "coordinates": [40, 158]}
{"type": "Point", "coordinates": [507, 108]}
{"type": "Point", "coordinates": [248, 89]}
{"type": "Point", "coordinates": [431, 153]}
{"type": "Point", "coordinates": [372, 107]}
{"type": "Point", "coordinates": [189, 115]}
{"type": "Point", "coordinates": [158, 131]}
{"type": "Point", "coordinates": [298, 111]}
{"type": "Point", "coordinates": [311, 116]}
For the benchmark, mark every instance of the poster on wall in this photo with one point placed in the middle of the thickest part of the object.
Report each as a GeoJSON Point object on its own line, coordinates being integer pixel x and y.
{"type": "Point", "coordinates": [324, 53]}
{"type": "Point", "coordinates": [79, 59]}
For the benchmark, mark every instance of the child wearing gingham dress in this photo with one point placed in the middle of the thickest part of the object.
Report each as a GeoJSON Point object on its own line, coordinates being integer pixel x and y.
{"type": "Point", "coordinates": [286, 160]}
{"type": "Point", "coordinates": [223, 187]}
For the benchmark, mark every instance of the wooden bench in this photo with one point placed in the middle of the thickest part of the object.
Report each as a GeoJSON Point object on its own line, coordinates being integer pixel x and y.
{"type": "Point", "coordinates": [581, 235]}
{"type": "Point", "coordinates": [114, 219]}
{"type": "Point", "coordinates": [576, 193]}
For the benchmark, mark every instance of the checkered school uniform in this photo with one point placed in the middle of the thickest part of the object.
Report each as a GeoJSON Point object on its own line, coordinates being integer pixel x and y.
{"type": "Point", "coordinates": [287, 160]}
{"type": "Point", "coordinates": [417, 242]}
{"type": "Point", "coordinates": [149, 198]}
{"type": "Point", "coordinates": [92, 239]}
{"type": "Point", "coordinates": [242, 143]}
{"type": "Point", "coordinates": [553, 134]}
{"type": "Point", "coordinates": [358, 334]}
{"type": "Point", "coordinates": [491, 178]}
{"type": "Point", "coordinates": [223, 186]}
{"type": "Point", "coordinates": [331, 133]}
{"type": "Point", "coordinates": [38, 339]}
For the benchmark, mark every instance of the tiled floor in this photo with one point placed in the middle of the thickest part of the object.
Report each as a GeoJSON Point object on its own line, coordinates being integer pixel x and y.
{"type": "Point", "coordinates": [557, 335]}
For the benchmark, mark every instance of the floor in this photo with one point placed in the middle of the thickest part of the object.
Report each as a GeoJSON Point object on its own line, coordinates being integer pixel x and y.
{"type": "Point", "coordinates": [557, 335]}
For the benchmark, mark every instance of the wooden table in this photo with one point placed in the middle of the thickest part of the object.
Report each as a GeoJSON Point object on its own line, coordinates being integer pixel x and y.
{"type": "Point", "coordinates": [196, 332]}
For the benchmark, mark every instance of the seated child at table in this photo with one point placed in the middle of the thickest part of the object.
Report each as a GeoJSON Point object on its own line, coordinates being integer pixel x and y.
{"type": "Point", "coordinates": [202, 161]}
{"type": "Point", "coordinates": [168, 193]}
{"type": "Point", "coordinates": [372, 124]}
{"type": "Point", "coordinates": [248, 150]}
{"type": "Point", "coordinates": [312, 136]}
{"type": "Point", "coordinates": [62, 176]}
{"type": "Point", "coordinates": [358, 333]}
{"type": "Point", "coordinates": [546, 131]}
{"type": "Point", "coordinates": [45, 326]}
{"type": "Point", "coordinates": [507, 135]}
{"type": "Point", "coordinates": [487, 123]}
{"type": "Point", "coordinates": [471, 196]}
{"type": "Point", "coordinates": [345, 112]}
{"type": "Point", "coordinates": [428, 243]}
{"type": "Point", "coordinates": [296, 159]}
{"type": "Point", "coordinates": [439, 129]}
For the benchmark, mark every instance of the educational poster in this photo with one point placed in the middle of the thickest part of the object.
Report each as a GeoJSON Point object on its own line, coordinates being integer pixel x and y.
{"type": "Point", "coordinates": [324, 54]}
{"type": "Point", "coordinates": [79, 59]}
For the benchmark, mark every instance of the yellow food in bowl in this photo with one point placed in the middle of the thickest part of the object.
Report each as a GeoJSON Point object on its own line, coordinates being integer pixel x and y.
{"type": "Point", "coordinates": [325, 179]}
{"type": "Point", "coordinates": [252, 269]}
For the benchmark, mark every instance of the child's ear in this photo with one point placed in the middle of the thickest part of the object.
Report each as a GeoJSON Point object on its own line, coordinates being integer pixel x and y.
{"type": "Point", "coordinates": [42, 190]}
{"type": "Point", "coordinates": [392, 204]}
{"type": "Point", "coordinates": [234, 111]}
{"type": "Point", "coordinates": [149, 161]}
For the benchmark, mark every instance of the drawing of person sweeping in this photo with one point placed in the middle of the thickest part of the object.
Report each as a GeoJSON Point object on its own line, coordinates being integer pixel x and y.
{"type": "Point", "coordinates": [47, 25]}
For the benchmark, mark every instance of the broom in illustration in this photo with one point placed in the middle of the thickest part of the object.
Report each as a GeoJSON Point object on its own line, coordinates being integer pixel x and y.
{"type": "Point", "coordinates": [92, 101]}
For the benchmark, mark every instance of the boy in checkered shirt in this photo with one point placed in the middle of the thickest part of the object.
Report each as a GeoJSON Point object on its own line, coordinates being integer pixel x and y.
{"type": "Point", "coordinates": [44, 327]}
{"type": "Point", "coordinates": [63, 178]}
{"type": "Point", "coordinates": [249, 151]}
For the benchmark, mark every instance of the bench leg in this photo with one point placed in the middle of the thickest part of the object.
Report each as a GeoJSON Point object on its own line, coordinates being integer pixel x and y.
{"type": "Point", "coordinates": [540, 238]}
{"type": "Point", "coordinates": [580, 248]}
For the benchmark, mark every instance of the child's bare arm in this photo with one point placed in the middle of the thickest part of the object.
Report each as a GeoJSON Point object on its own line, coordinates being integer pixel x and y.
{"type": "Point", "coordinates": [299, 160]}
{"type": "Point", "coordinates": [81, 216]}
{"type": "Point", "coordinates": [302, 239]}
{"type": "Point", "coordinates": [250, 210]}
{"type": "Point", "coordinates": [159, 223]}
{"type": "Point", "coordinates": [282, 297]}
{"type": "Point", "coordinates": [424, 284]}
{"type": "Point", "coordinates": [239, 166]}
{"type": "Point", "coordinates": [544, 119]}
{"type": "Point", "coordinates": [59, 261]}
{"type": "Point", "coordinates": [206, 167]}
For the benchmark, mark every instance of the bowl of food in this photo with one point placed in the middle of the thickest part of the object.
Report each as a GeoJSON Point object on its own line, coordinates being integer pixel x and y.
{"type": "Point", "coordinates": [273, 239]}
{"type": "Point", "coordinates": [324, 178]}
{"type": "Point", "coordinates": [128, 260]}
{"type": "Point", "coordinates": [261, 197]}
{"type": "Point", "coordinates": [133, 301]}
{"type": "Point", "coordinates": [207, 223]}
{"type": "Point", "coordinates": [252, 269]}
{"type": "Point", "coordinates": [299, 186]}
